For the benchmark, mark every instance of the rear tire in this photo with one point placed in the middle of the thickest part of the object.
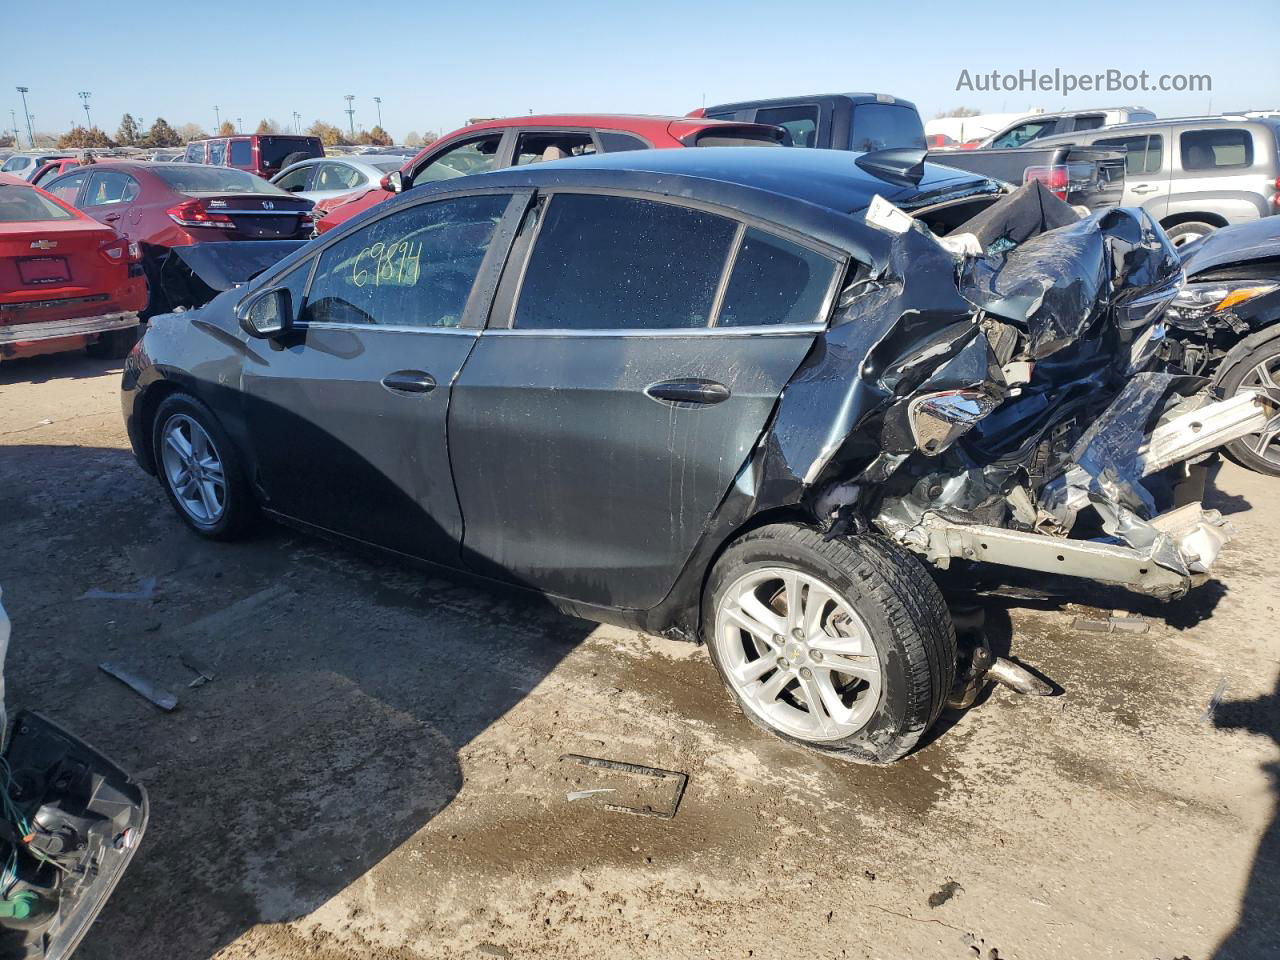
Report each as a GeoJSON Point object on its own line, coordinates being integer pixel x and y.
{"type": "Point", "coordinates": [1257, 368]}
{"type": "Point", "coordinates": [293, 158]}
{"type": "Point", "coordinates": [1181, 234]}
{"type": "Point", "coordinates": [114, 344]}
{"type": "Point", "coordinates": [863, 666]}
{"type": "Point", "coordinates": [201, 470]}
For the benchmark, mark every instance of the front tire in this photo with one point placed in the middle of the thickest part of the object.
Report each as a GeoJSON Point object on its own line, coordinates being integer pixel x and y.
{"type": "Point", "coordinates": [1180, 234]}
{"type": "Point", "coordinates": [844, 646]}
{"type": "Point", "coordinates": [201, 470]}
{"type": "Point", "coordinates": [1257, 369]}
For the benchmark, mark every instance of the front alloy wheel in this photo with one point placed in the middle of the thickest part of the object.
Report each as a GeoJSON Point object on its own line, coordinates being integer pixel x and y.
{"type": "Point", "coordinates": [193, 469]}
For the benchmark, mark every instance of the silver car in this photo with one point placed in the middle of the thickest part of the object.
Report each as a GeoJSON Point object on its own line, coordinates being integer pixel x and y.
{"type": "Point", "coordinates": [1195, 174]}
{"type": "Point", "coordinates": [323, 177]}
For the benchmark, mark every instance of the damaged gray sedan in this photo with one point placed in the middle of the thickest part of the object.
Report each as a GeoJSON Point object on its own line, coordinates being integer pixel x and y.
{"type": "Point", "coordinates": [761, 397]}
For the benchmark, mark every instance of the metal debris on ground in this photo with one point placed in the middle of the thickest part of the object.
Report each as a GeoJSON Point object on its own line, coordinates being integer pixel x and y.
{"type": "Point", "coordinates": [1111, 625]}
{"type": "Point", "coordinates": [203, 673]}
{"type": "Point", "coordinates": [146, 590]}
{"type": "Point", "coordinates": [647, 791]}
{"type": "Point", "coordinates": [1212, 708]}
{"type": "Point", "coordinates": [162, 699]}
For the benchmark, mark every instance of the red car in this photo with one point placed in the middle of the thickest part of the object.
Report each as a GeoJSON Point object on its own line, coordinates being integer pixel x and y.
{"type": "Point", "coordinates": [66, 281]}
{"type": "Point", "coordinates": [263, 154]}
{"type": "Point", "coordinates": [514, 141]}
{"type": "Point", "coordinates": [165, 205]}
{"type": "Point", "coordinates": [53, 168]}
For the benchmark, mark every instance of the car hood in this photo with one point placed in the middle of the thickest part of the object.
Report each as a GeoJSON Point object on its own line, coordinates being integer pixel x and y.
{"type": "Point", "coordinates": [1231, 246]}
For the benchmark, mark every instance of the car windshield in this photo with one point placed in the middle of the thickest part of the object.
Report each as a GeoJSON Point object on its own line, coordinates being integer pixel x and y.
{"type": "Point", "coordinates": [22, 204]}
{"type": "Point", "coordinates": [198, 179]}
{"type": "Point", "coordinates": [273, 150]}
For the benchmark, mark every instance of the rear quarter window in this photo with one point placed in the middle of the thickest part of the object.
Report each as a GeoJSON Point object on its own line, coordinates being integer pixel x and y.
{"type": "Point", "coordinates": [1216, 149]}
{"type": "Point", "coordinates": [241, 153]}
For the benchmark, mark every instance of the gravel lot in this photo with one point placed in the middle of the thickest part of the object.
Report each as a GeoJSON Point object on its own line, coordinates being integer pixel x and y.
{"type": "Point", "coordinates": [375, 770]}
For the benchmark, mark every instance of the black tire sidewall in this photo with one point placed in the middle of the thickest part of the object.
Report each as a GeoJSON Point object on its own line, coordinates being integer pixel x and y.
{"type": "Point", "coordinates": [240, 506]}
{"type": "Point", "coordinates": [1204, 229]}
{"type": "Point", "coordinates": [898, 721]}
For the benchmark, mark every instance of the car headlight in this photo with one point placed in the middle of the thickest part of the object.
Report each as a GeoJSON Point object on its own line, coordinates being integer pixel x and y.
{"type": "Point", "coordinates": [1198, 301]}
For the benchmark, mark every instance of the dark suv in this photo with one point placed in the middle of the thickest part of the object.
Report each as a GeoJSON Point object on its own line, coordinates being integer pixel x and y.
{"type": "Point", "coordinates": [262, 154]}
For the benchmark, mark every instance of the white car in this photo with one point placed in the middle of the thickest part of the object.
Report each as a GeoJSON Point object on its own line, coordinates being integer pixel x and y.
{"type": "Point", "coordinates": [322, 177]}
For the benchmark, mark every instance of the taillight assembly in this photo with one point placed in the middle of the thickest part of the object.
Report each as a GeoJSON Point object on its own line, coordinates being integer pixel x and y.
{"type": "Point", "coordinates": [1275, 199]}
{"type": "Point", "coordinates": [1055, 177]}
{"type": "Point", "coordinates": [193, 213]}
{"type": "Point", "coordinates": [117, 250]}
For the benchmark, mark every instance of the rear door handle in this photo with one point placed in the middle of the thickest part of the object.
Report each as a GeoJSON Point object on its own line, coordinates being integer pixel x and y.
{"type": "Point", "coordinates": [1144, 188]}
{"type": "Point", "coordinates": [687, 391]}
{"type": "Point", "coordinates": [409, 381]}
{"type": "Point", "coordinates": [111, 217]}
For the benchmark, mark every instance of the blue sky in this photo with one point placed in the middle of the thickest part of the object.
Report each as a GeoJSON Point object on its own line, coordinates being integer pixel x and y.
{"type": "Point", "coordinates": [436, 64]}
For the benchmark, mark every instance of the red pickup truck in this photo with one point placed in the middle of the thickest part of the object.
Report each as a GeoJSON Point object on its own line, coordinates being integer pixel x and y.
{"type": "Point", "coordinates": [66, 280]}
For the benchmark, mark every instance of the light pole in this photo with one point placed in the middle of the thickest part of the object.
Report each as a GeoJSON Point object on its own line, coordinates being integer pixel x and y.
{"type": "Point", "coordinates": [378, 101]}
{"type": "Point", "coordinates": [217, 120]}
{"type": "Point", "coordinates": [351, 114]}
{"type": "Point", "coordinates": [239, 124]}
{"type": "Point", "coordinates": [297, 122]}
{"type": "Point", "coordinates": [13, 116]}
{"type": "Point", "coordinates": [84, 97]}
{"type": "Point", "coordinates": [30, 137]}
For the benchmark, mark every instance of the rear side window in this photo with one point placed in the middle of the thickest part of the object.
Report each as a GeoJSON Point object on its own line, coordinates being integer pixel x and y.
{"type": "Point", "coordinates": [540, 147]}
{"type": "Point", "coordinates": [611, 142]}
{"type": "Point", "coordinates": [801, 123]}
{"type": "Point", "coordinates": [20, 204]}
{"type": "Point", "coordinates": [775, 281]}
{"type": "Point", "coordinates": [241, 153]}
{"type": "Point", "coordinates": [412, 268]}
{"type": "Point", "coordinates": [1143, 154]}
{"type": "Point", "coordinates": [1090, 121]}
{"type": "Point", "coordinates": [1216, 149]}
{"type": "Point", "coordinates": [885, 126]}
{"type": "Point", "coordinates": [110, 186]}
{"type": "Point", "coordinates": [218, 152]}
{"type": "Point", "coordinates": [621, 263]}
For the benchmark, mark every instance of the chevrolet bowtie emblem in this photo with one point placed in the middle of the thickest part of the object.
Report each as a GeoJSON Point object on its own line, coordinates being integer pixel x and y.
{"type": "Point", "coordinates": [43, 244]}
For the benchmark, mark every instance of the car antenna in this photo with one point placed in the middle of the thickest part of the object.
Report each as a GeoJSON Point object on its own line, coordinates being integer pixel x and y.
{"type": "Point", "coordinates": [899, 164]}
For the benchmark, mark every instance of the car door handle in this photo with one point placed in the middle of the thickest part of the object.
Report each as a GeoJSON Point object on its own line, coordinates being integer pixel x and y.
{"type": "Point", "coordinates": [409, 381]}
{"type": "Point", "coordinates": [111, 217]}
{"type": "Point", "coordinates": [1144, 188]}
{"type": "Point", "coordinates": [687, 391]}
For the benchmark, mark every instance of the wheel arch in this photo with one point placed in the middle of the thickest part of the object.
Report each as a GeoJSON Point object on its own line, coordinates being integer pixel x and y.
{"type": "Point", "coordinates": [1173, 220]}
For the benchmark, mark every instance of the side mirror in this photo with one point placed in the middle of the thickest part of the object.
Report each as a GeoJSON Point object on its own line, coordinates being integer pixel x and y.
{"type": "Point", "coordinates": [393, 182]}
{"type": "Point", "coordinates": [266, 314]}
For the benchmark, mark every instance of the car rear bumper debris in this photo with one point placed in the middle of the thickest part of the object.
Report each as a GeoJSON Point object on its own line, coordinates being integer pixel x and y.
{"type": "Point", "coordinates": [16, 333]}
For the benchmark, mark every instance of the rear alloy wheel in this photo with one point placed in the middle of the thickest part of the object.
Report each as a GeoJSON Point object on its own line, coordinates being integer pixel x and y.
{"type": "Point", "coordinates": [1259, 369]}
{"type": "Point", "coordinates": [199, 469]}
{"type": "Point", "coordinates": [844, 646]}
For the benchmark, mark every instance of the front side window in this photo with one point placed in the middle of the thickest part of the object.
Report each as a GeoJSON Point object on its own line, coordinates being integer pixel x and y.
{"type": "Point", "coordinates": [775, 281]}
{"type": "Point", "coordinates": [1143, 154]}
{"type": "Point", "coordinates": [295, 181]}
{"type": "Point", "coordinates": [241, 153]}
{"type": "Point", "coordinates": [801, 123]}
{"type": "Point", "coordinates": [110, 186]}
{"type": "Point", "coordinates": [474, 156]}
{"type": "Point", "coordinates": [412, 268]}
{"type": "Point", "coordinates": [1216, 149]}
{"type": "Point", "coordinates": [621, 263]}
{"type": "Point", "coordinates": [541, 147]}
{"type": "Point", "coordinates": [194, 154]}
{"type": "Point", "coordinates": [66, 188]}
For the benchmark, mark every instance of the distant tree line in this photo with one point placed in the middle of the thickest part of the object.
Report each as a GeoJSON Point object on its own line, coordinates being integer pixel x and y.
{"type": "Point", "coordinates": [161, 134]}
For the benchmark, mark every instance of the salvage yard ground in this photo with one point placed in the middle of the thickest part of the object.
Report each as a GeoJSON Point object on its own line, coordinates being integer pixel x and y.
{"type": "Point", "coordinates": [375, 769]}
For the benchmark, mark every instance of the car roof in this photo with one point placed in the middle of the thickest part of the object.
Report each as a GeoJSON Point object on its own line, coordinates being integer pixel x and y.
{"type": "Point", "coordinates": [1160, 123]}
{"type": "Point", "coordinates": [625, 122]}
{"type": "Point", "coordinates": [813, 97]}
{"type": "Point", "coordinates": [812, 191]}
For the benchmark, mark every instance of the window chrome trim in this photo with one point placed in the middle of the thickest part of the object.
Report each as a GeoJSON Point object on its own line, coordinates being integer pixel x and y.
{"type": "Point", "coordinates": [388, 327]}
{"type": "Point", "coordinates": [781, 329]}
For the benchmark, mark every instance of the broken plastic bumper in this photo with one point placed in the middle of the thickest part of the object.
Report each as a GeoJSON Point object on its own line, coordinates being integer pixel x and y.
{"type": "Point", "coordinates": [56, 329]}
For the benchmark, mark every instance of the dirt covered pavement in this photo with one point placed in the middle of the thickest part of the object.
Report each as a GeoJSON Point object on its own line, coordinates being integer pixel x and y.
{"type": "Point", "coordinates": [375, 770]}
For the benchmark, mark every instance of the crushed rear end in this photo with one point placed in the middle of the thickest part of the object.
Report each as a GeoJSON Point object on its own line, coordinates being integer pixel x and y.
{"type": "Point", "coordinates": [1011, 406]}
